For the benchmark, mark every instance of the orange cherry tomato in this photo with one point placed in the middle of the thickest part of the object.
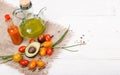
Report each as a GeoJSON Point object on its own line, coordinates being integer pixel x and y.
{"type": "Point", "coordinates": [47, 44]}
{"type": "Point", "coordinates": [33, 64]}
{"type": "Point", "coordinates": [40, 63]}
{"type": "Point", "coordinates": [42, 51]}
{"type": "Point", "coordinates": [22, 49]}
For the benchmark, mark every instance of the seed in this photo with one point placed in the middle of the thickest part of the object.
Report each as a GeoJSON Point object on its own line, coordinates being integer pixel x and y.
{"type": "Point", "coordinates": [32, 50]}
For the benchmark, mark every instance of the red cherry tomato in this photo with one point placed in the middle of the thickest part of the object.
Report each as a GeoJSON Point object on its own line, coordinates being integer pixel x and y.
{"type": "Point", "coordinates": [49, 51]}
{"type": "Point", "coordinates": [24, 62]}
{"type": "Point", "coordinates": [22, 49]}
{"type": "Point", "coordinates": [31, 40]}
{"type": "Point", "coordinates": [47, 37]}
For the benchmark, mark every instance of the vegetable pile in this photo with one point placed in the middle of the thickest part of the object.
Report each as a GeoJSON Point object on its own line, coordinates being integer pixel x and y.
{"type": "Point", "coordinates": [41, 47]}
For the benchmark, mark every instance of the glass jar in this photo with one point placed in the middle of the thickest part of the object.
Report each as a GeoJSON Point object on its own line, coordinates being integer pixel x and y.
{"type": "Point", "coordinates": [31, 25]}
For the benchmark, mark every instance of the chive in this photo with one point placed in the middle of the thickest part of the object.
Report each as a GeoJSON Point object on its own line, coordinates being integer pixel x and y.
{"type": "Point", "coordinates": [61, 38]}
{"type": "Point", "coordinates": [66, 47]}
{"type": "Point", "coordinates": [69, 46]}
{"type": "Point", "coordinates": [70, 50]}
{"type": "Point", "coordinates": [6, 57]}
{"type": "Point", "coordinates": [6, 61]}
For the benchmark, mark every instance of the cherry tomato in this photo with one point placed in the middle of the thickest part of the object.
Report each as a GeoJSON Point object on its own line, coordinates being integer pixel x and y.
{"type": "Point", "coordinates": [47, 44]}
{"type": "Point", "coordinates": [17, 57]}
{"type": "Point", "coordinates": [22, 49]}
{"type": "Point", "coordinates": [47, 37]}
{"type": "Point", "coordinates": [31, 40]}
{"type": "Point", "coordinates": [42, 51]}
{"type": "Point", "coordinates": [33, 64]}
{"type": "Point", "coordinates": [41, 38]}
{"type": "Point", "coordinates": [24, 62]}
{"type": "Point", "coordinates": [40, 63]}
{"type": "Point", "coordinates": [49, 51]}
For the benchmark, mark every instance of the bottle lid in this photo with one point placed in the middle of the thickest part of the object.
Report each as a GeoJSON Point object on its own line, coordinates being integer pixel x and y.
{"type": "Point", "coordinates": [7, 17]}
{"type": "Point", "coordinates": [25, 3]}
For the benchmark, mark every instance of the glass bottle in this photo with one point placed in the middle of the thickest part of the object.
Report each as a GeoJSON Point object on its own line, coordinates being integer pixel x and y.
{"type": "Point", "coordinates": [32, 25]}
{"type": "Point", "coordinates": [26, 7]}
{"type": "Point", "coordinates": [13, 30]}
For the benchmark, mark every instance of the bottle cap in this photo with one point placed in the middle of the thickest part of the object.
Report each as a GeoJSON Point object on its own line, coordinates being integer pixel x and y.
{"type": "Point", "coordinates": [25, 3]}
{"type": "Point", "coordinates": [7, 17]}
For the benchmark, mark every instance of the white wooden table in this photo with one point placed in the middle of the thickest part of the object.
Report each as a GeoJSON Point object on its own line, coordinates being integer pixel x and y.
{"type": "Point", "coordinates": [99, 21]}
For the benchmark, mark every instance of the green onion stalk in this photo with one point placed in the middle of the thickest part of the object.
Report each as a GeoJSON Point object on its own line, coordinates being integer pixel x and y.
{"type": "Point", "coordinates": [64, 47]}
{"type": "Point", "coordinates": [6, 58]}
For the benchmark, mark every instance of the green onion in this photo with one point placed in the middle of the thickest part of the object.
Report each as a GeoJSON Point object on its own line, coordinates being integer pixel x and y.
{"type": "Point", "coordinates": [65, 47]}
{"type": "Point", "coordinates": [6, 57]}
{"type": "Point", "coordinates": [68, 46]}
{"type": "Point", "coordinates": [6, 61]}
{"type": "Point", "coordinates": [61, 38]}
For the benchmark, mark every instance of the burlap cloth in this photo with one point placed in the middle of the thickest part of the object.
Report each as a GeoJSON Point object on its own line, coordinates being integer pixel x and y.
{"type": "Point", "coordinates": [7, 47]}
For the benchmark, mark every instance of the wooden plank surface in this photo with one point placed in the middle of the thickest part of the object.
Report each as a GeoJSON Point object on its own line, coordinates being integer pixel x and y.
{"type": "Point", "coordinates": [99, 21]}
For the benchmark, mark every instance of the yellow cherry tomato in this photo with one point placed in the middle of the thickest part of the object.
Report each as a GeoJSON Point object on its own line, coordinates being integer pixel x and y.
{"type": "Point", "coordinates": [17, 57]}
{"type": "Point", "coordinates": [33, 64]}
{"type": "Point", "coordinates": [40, 63]}
{"type": "Point", "coordinates": [43, 51]}
{"type": "Point", "coordinates": [47, 44]}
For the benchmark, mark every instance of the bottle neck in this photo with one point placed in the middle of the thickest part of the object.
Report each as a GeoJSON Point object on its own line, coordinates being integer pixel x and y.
{"type": "Point", "coordinates": [26, 8]}
{"type": "Point", "coordinates": [10, 23]}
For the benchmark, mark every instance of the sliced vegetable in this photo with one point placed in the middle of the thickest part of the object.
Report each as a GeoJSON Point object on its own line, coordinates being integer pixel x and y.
{"type": "Point", "coordinates": [32, 49]}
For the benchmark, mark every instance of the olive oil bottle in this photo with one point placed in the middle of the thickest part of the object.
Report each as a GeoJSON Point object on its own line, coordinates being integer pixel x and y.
{"type": "Point", "coordinates": [32, 27]}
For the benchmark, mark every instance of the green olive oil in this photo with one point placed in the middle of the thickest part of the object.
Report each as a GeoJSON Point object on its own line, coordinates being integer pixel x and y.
{"type": "Point", "coordinates": [31, 28]}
